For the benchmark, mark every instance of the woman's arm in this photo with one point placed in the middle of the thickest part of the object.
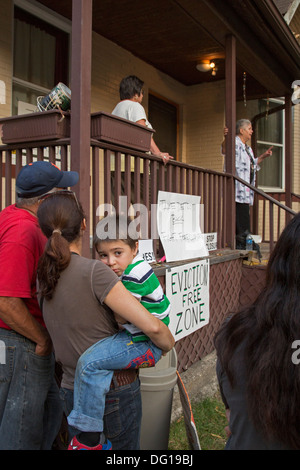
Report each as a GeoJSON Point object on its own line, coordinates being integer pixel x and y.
{"type": "Point", "coordinates": [122, 302]}
{"type": "Point", "coordinates": [264, 155]}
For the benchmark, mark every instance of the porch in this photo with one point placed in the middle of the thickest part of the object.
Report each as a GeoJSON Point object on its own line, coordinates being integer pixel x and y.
{"type": "Point", "coordinates": [121, 174]}
{"type": "Point", "coordinates": [137, 177]}
{"type": "Point", "coordinates": [187, 35]}
{"type": "Point", "coordinates": [174, 36]}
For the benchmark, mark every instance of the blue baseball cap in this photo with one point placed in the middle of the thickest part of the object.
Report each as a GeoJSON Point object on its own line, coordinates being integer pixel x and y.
{"type": "Point", "coordinates": [37, 178]}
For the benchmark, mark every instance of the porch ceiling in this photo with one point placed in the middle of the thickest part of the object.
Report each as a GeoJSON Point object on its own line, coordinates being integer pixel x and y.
{"type": "Point", "coordinates": [174, 35]}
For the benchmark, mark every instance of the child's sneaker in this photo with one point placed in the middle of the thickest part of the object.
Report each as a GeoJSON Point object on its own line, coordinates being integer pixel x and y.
{"type": "Point", "coordinates": [76, 445]}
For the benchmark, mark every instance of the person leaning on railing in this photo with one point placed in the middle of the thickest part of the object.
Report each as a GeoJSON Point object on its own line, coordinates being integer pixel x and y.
{"type": "Point", "coordinates": [130, 108]}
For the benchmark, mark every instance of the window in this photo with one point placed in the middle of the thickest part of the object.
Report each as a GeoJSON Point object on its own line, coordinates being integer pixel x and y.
{"type": "Point", "coordinates": [163, 117]}
{"type": "Point", "coordinates": [270, 131]}
{"type": "Point", "coordinates": [41, 58]}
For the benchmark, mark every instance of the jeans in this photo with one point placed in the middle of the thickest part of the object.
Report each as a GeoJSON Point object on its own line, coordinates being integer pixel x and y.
{"type": "Point", "coordinates": [30, 408]}
{"type": "Point", "coordinates": [122, 416]}
{"type": "Point", "coordinates": [94, 373]}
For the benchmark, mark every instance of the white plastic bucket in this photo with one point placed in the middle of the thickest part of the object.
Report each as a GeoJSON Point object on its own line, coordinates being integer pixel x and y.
{"type": "Point", "coordinates": [157, 386]}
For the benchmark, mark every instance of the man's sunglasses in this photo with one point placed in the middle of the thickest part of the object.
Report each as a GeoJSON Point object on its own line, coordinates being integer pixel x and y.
{"type": "Point", "coordinates": [61, 192]}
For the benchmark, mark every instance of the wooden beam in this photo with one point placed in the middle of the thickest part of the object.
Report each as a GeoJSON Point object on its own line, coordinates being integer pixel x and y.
{"type": "Point", "coordinates": [288, 154]}
{"type": "Point", "coordinates": [81, 103]}
{"type": "Point", "coordinates": [230, 122]}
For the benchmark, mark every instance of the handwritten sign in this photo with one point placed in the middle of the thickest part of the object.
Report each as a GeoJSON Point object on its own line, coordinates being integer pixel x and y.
{"type": "Point", "coordinates": [187, 288]}
{"type": "Point", "coordinates": [178, 224]}
{"type": "Point", "coordinates": [146, 250]}
{"type": "Point", "coordinates": [211, 241]}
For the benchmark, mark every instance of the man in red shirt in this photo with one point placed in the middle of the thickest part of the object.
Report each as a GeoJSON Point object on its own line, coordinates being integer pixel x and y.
{"type": "Point", "coordinates": [30, 412]}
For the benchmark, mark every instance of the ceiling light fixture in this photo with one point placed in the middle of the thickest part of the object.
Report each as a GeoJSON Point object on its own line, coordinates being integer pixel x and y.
{"type": "Point", "coordinates": [214, 71]}
{"type": "Point", "coordinates": [206, 66]}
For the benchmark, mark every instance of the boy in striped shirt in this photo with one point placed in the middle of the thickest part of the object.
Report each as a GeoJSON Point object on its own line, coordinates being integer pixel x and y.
{"type": "Point", "coordinates": [129, 348]}
{"type": "Point", "coordinates": [141, 281]}
{"type": "Point", "coordinates": [121, 255]}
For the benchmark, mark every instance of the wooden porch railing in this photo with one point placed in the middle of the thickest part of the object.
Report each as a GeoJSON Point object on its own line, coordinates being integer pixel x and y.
{"type": "Point", "coordinates": [273, 209]}
{"type": "Point", "coordinates": [268, 220]}
{"type": "Point", "coordinates": [117, 171]}
{"type": "Point", "coordinates": [140, 176]}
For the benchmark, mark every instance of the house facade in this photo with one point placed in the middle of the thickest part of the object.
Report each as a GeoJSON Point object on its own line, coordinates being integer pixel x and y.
{"type": "Point", "coordinates": [195, 112]}
{"type": "Point", "coordinates": [254, 46]}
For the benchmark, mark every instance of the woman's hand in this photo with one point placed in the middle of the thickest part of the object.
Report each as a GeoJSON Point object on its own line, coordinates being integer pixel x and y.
{"type": "Point", "coordinates": [264, 155]}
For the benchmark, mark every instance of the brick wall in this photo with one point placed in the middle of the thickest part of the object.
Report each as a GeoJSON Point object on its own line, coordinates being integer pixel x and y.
{"type": "Point", "coordinates": [205, 123]}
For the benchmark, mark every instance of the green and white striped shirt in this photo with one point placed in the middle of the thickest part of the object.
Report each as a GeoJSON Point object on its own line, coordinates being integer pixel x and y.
{"type": "Point", "coordinates": [141, 281]}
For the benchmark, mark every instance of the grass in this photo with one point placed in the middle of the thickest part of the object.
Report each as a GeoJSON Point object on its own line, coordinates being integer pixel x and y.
{"type": "Point", "coordinates": [210, 421]}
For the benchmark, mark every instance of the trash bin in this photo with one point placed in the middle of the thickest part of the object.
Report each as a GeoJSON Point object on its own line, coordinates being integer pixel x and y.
{"type": "Point", "coordinates": [157, 386]}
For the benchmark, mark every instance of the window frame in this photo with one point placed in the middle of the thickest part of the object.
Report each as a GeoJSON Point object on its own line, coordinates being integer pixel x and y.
{"type": "Point", "coordinates": [54, 20]}
{"type": "Point", "coordinates": [276, 189]}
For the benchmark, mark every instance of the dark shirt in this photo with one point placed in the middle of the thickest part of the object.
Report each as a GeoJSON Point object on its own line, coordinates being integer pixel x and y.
{"type": "Point", "coordinates": [243, 434]}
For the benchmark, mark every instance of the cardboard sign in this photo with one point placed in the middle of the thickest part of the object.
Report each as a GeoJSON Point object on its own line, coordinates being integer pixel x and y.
{"type": "Point", "coordinates": [178, 225]}
{"type": "Point", "coordinates": [187, 288]}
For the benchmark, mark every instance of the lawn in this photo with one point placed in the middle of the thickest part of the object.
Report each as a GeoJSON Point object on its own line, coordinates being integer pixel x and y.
{"type": "Point", "coordinates": [210, 421]}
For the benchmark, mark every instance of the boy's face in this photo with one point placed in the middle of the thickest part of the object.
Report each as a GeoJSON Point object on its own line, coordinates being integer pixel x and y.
{"type": "Point", "coordinates": [116, 254]}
